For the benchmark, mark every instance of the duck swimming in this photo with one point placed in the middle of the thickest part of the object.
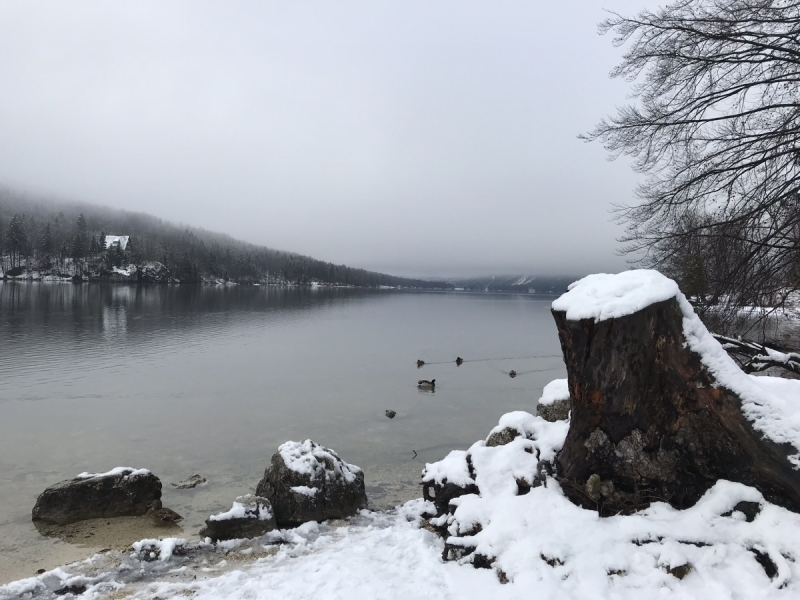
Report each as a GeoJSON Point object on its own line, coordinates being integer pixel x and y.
{"type": "Point", "coordinates": [160, 516]}
{"type": "Point", "coordinates": [512, 374]}
{"type": "Point", "coordinates": [459, 360]}
{"type": "Point", "coordinates": [424, 384]}
{"type": "Point", "coordinates": [420, 363]}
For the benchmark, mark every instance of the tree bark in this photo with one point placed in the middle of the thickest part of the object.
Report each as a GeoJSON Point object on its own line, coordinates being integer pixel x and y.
{"type": "Point", "coordinates": [650, 423]}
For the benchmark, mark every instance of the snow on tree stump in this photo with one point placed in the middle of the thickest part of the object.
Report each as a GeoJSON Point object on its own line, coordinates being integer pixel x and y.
{"type": "Point", "coordinates": [660, 412]}
{"type": "Point", "coordinates": [308, 482]}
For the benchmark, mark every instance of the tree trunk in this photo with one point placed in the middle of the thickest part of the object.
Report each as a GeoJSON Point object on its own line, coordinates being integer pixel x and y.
{"type": "Point", "coordinates": [649, 422]}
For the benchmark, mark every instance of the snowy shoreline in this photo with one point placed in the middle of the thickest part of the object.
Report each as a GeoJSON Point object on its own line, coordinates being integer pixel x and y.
{"type": "Point", "coordinates": [540, 541]}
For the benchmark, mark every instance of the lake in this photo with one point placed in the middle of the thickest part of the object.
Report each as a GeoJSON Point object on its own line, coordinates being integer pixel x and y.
{"type": "Point", "coordinates": [211, 379]}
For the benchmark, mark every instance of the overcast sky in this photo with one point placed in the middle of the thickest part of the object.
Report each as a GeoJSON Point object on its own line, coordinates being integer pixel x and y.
{"type": "Point", "coordinates": [417, 138]}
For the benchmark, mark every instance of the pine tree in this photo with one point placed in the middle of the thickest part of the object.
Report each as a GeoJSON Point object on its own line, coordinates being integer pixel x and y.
{"type": "Point", "coordinates": [17, 241]}
{"type": "Point", "coordinates": [79, 244]}
{"type": "Point", "coordinates": [46, 246]}
{"type": "Point", "coordinates": [64, 253]}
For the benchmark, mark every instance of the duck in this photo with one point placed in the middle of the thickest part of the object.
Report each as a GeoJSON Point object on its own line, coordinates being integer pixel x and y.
{"type": "Point", "coordinates": [512, 374]}
{"type": "Point", "coordinates": [160, 516]}
{"type": "Point", "coordinates": [420, 362]}
{"type": "Point", "coordinates": [391, 414]}
{"type": "Point", "coordinates": [459, 360]}
{"type": "Point", "coordinates": [424, 384]}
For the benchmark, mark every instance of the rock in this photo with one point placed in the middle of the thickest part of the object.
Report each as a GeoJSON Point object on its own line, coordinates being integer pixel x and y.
{"type": "Point", "coordinates": [557, 411]}
{"type": "Point", "coordinates": [308, 482]}
{"type": "Point", "coordinates": [189, 483]}
{"type": "Point", "coordinates": [606, 489]}
{"type": "Point", "coordinates": [766, 562]}
{"type": "Point", "coordinates": [391, 414]}
{"type": "Point", "coordinates": [120, 492]}
{"type": "Point", "coordinates": [502, 437]}
{"type": "Point", "coordinates": [750, 510]}
{"type": "Point", "coordinates": [648, 415]}
{"type": "Point", "coordinates": [75, 590]}
{"type": "Point", "coordinates": [554, 405]}
{"type": "Point", "coordinates": [593, 486]}
{"type": "Point", "coordinates": [680, 571]}
{"type": "Point", "coordinates": [153, 272]}
{"type": "Point", "coordinates": [249, 517]}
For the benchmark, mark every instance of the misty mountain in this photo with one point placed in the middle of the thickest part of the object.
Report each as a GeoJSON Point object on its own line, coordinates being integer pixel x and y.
{"type": "Point", "coordinates": [67, 238]}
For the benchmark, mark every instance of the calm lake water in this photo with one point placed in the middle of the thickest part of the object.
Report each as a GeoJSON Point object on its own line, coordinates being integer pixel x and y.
{"type": "Point", "coordinates": [210, 380]}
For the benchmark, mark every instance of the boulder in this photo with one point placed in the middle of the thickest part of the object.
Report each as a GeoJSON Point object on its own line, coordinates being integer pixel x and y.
{"type": "Point", "coordinates": [504, 436]}
{"type": "Point", "coordinates": [308, 482]}
{"type": "Point", "coordinates": [660, 412]}
{"type": "Point", "coordinates": [249, 517]}
{"type": "Point", "coordinates": [457, 474]}
{"type": "Point", "coordinates": [120, 492]}
{"type": "Point", "coordinates": [554, 405]}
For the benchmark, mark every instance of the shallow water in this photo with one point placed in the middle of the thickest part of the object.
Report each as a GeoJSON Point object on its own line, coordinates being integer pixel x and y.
{"type": "Point", "coordinates": [210, 380]}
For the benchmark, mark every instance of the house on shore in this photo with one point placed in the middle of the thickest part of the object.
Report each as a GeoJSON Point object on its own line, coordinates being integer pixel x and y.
{"type": "Point", "coordinates": [121, 241]}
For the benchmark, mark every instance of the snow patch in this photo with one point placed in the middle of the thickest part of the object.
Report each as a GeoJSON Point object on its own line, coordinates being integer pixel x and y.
{"type": "Point", "coordinates": [452, 468]}
{"type": "Point", "coordinates": [163, 548]}
{"type": "Point", "coordinates": [127, 471]}
{"type": "Point", "coordinates": [603, 296]}
{"type": "Point", "coordinates": [309, 458]}
{"type": "Point", "coordinates": [305, 490]}
{"type": "Point", "coordinates": [245, 507]}
{"type": "Point", "coordinates": [556, 390]}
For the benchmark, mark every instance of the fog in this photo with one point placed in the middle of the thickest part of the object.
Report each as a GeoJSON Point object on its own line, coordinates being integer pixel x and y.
{"type": "Point", "coordinates": [414, 138]}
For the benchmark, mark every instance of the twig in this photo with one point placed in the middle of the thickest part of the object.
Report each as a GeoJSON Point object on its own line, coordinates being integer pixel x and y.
{"type": "Point", "coordinates": [754, 357]}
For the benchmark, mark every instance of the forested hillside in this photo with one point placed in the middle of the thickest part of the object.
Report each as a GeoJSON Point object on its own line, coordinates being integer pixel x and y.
{"type": "Point", "coordinates": [67, 239]}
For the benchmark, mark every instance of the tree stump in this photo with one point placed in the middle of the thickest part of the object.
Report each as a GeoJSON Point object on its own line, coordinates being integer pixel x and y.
{"type": "Point", "coordinates": [650, 422]}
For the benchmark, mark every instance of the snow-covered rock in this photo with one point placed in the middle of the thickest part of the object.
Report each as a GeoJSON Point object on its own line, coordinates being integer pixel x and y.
{"type": "Point", "coordinates": [308, 482]}
{"type": "Point", "coordinates": [250, 516]}
{"type": "Point", "coordinates": [554, 403]}
{"type": "Point", "coordinates": [527, 438]}
{"type": "Point", "coordinates": [163, 550]}
{"type": "Point", "coordinates": [122, 491]}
